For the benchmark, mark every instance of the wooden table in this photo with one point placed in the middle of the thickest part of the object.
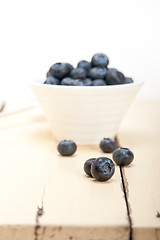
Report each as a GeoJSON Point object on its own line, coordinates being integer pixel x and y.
{"type": "Point", "coordinates": [45, 196]}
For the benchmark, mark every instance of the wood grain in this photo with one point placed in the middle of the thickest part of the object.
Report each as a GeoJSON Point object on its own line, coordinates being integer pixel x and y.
{"type": "Point", "coordinates": [33, 174]}
{"type": "Point", "coordinates": [140, 132]}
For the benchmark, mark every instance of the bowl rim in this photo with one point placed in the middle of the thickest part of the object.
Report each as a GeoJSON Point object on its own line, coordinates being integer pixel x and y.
{"type": "Point", "coordinates": [39, 82]}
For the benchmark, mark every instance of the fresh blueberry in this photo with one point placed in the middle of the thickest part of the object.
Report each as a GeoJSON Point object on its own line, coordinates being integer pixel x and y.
{"type": "Point", "coordinates": [60, 70]}
{"type": "Point", "coordinates": [84, 64]}
{"type": "Point", "coordinates": [67, 81]}
{"type": "Point", "coordinates": [78, 73]}
{"type": "Point", "coordinates": [128, 80]}
{"type": "Point", "coordinates": [66, 147]}
{"type": "Point", "coordinates": [87, 82]}
{"type": "Point", "coordinates": [99, 82]}
{"type": "Point", "coordinates": [100, 60]}
{"type": "Point", "coordinates": [98, 73]}
{"type": "Point", "coordinates": [52, 80]}
{"type": "Point", "coordinates": [48, 74]}
{"type": "Point", "coordinates": [108, 145]}
{"type": "Point", "coordinates": [87, 166]}
{"type": "Point", "coordinates": [102, 169]}
{"type": "Point", "coordinates": [77, 82]}
{"type": "Point", "coordinates": [115, 77]}
{"type": "Point", "coordinates": [123, 156]}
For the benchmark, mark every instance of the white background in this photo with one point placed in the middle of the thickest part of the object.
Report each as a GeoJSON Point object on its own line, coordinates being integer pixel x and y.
{"type": "Point", "coordinates": [36, 34]}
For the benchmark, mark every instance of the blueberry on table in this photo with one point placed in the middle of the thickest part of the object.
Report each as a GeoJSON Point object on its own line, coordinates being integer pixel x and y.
{"type": "Point", "coordinates": [123, 156]}
{"type": "Point", "coordinates": [87, 82]}
{"type": "Point", "coordinates": [67, 81]}
{"type": "Point", "coordinates": [67, 147]}
{"type": "Point", "coordinates": [100, 60]}
{"type": "Point", "coordinates": [102, 169]}
{"type": "Point", "coordinates": [87, 166]}
{"type": "Point", "coordinates": [78, 73]}
{"type": "Point", "coordinates": [52, 80]}
{"type": "Point", "coordinates": [98, 73]}
{"type": "Point", "coordinates": [115, 77]}
{"type": "Point", "coordinates": [84, 64]}
{"type": "Point", "coordinates": [60, 70]}
{"type": "Point", "coordinates": [128, 80]}
{"type": "Point", "coordinates": [108, 145]}
{"type": "Point", "coordinates": [99, 82]}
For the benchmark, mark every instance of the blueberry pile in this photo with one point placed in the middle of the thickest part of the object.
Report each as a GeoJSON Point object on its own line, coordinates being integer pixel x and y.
{"type": "Point", "coordinates": [93, 73]}
{"type": "Point", "coordinates": [101, 168]}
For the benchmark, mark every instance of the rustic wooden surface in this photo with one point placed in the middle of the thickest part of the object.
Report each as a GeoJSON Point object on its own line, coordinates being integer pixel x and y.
{"type": "Point", "coordinates": [141, 133]}
{"type": "Point", "coordinates": [46, 196]}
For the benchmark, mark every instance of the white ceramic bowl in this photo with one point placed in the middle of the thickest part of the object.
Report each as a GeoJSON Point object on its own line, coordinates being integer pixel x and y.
{"type": "Point", "coordinates": [84, 114]}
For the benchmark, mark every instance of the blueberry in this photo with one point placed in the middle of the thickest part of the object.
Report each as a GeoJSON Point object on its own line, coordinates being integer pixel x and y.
{"type": "Point", "coordinates": [77, 82]}
{"type": "Point", "coordinates": [87, 82]}
{"type": "Point", "coordinates": [115, 77]}
{"type": "Point", "coordinates": [60, 70]}
{"type": "Point", "coordinates": [100, 60]}
{"type": "Point", "coordinates": [102, 169]}
{"type": "Point", "coordinates": [66, 147]}
{"type": "Point", "coordinates": [52, 80]}
{"type": "Point", "coordinates": [99, 82]}
{"type": "Point", "coordinates": [108, 145]}
{"type": "Point", "coordinates": [84, 64]}
{"type": "Point", "coordinates": [98, 73]}
{"type": "Point", "coordinates": [87, 166]}
{"type": "Point", "coordinates": [48, 74]}
{"type": "Point", "coordinates": [67, 81]}
{"type": "Point", "coordinates": [78, 73]}
{"type": "Point", "coordinates": [123, 156]}
{"type": "Point", "coordinates": [128, 80]}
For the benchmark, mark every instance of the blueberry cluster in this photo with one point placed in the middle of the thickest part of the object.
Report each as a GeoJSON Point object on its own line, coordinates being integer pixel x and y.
{"type": "Point", "coordinates": [101, 168]}
{"type": "Point", "coordinates": [93, 73]}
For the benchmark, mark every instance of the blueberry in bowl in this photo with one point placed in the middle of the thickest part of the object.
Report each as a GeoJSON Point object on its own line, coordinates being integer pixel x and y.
{"type": "Point", "coordinates": [100, 60]}
{"type": "Point", "coordinates": [84, 108]}
{"type": "Point", "coordinates": [60, 70]}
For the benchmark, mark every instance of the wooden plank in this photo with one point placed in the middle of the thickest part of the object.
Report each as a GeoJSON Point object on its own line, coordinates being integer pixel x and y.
{"type": "Point", "coordinates": [140, 132]}
{"type": "Point", "coordinates": [32, 174]}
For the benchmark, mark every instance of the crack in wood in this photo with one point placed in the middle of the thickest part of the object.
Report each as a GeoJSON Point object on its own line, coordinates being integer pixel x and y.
{"type": "Point", "coordinates": [39, 213]}
{"type": "Point", "coordinates": [125, 190]}
{"type": "Point", "coordinates": [158, 215]}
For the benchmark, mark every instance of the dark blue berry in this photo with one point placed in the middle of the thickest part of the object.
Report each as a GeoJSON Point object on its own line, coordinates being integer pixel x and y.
{"type": "Point", "coordinates": [84, 64]}
{"type": "Point", "coordinates": [78, 73]}
{"type": "Point", "coordinates": [98, 73]}
{"type": "Point", "coordinates": [108, 145]}
{"type": "Point", "coordinates": [67, 147]}
{"type": "Point", "coordinates": [102, 169]}
{"type": "Point", "coordinates": [100, 60]}
{"type": "Point", "coordinates": [87, 166]}
{"type": "Point", "coordinates": [52, 80]}
{"type": "Point", "coordinates": [99, 82]}
{"type": "Point", "coordinates": [77, 82]}
{"type": "Point", "coordinates": [123, 156]}
{"type": "Point", "coordinates": [128, 80]}
{"type": "Point", "coordinates": [67, 81]}
{"type": "Point", "coordinates": [115, 77]}
{"type": "Point", "coordinates": [87, 82]}
{"type": "Point", "coordinates": [60, 70]}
